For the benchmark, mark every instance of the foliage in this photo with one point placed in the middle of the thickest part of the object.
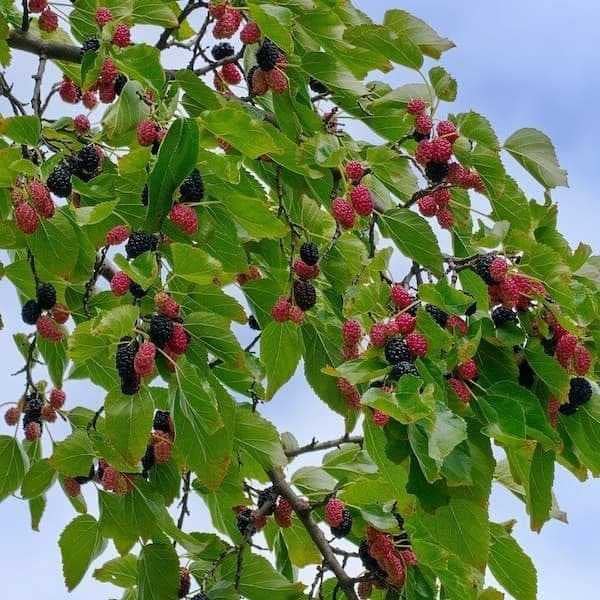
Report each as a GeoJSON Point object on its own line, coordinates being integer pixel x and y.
{"type": "Point", "coordinates": [228, 197]}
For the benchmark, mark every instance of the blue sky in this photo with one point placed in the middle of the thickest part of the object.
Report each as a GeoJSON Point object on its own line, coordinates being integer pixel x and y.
{"type": "Point", "coordinates": [521, 64]}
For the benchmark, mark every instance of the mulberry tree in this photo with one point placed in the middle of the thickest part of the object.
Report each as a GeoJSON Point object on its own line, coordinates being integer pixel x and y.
{"type": "Point", "coordinates": [193, 236]}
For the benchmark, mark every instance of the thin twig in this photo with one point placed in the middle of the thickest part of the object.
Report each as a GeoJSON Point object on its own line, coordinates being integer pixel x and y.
{"type": "Point", "coordinates": [36, 100]}
{"type": "Point", "coordinates": [316, 446]}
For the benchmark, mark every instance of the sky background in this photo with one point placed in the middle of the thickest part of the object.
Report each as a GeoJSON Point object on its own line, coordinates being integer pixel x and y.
{"type": "Point", "coordinates": [521, 64]}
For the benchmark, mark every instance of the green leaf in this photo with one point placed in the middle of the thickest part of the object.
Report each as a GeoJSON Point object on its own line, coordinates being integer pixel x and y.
{"type": "Point", "coordinates": [142, 63]}
{"type": "Point", "coordinates": [55, 357]}
{"type": "Point", "coordinates": [120, 571]}
{"type": "Point", "coordinates": [128, 421]}
{"type": "Point", "coordinates": [406, 25]}
{"type": "Point", "coordinates": [326, 69]}
{"type": "Point", "coordinates": [80, 543]}
{"type": "Point", "coordinates": [444, 84]}
{"type": "Point", "coordinates": [381, 39]}
{"type": "Point", "coordinates": [194, 264]}
{"type": "Point", "coordinates": [74, 455]}
{"type": "Point", "coordinates": [37, 506]}
{"type": "Point", "coordinates": [215, 334]}
{"type": "Point", "coordinates": [413, 236]}
{"type": "Point", "coordinates": [280, 352]}
{"type": "Point", "coordinates": [22, 130]}
{"type": "Point", "coordinates": [547, 369]}
{"type": "Point", "coordinates": [158, 572]}
{"type": "Point", "coordinates": [534, 151]}
{"type": "Point", "coordinates": [12, 465]}
{"type": "Point", "coordinates": [40, 477]}
{"type": "Point", "coordinates": [122, 117]}
{"type": "Point", "coordinates": [476, 127]}
{"type": "Point", "coordinates": [176, 158]}
{"type": "Point", "coordinates": [275, 22]}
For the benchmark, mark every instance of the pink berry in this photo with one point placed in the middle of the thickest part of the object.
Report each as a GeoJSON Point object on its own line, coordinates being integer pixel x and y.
{"type": "Point", "coordinates": [81, 124]}
{"type": "Point", "coordinates": [227, 24]}
{"type": "Point", "coordinates": [447, 130]}
{"type": "Point", "coordinates": [230, 74]}
{"type": "Point", "coordinates": [49, 329]}
{"type": "Point", "coordinates": [103, 16]}
{"type": "Point", "coordinates": [416, 106]}
{"type": "Point", "coordinates": [461, 389]}
{"type": "Point", "coordinates": [26, 218]}
{"type": "Point", "coordinates": [296, 315]}
{"type": "Point", "coordinates": [60, 313]}
{"type": "Point", "coordinates": [352, 331]}
{"type": "Point", "coordinates": [57, 398]}
{"type": "Point", "coordinates": [108, 71]}
{"type": "Point", "coordinates": [143, 363]}
{"type": "Point", "coordinates": [354, 171]}
{"type": "Point", "coordinates": [400, 296]}
{"type": "Point", "coordinates": [457, 325]}
{"type": "Point", "coordinates": [441, 150]}
{"type": "Point", "coordinates": [378, 334]}
{"type": "Point", "coordinates": [121, 36]}
{"type": "Point", "coordinates": [582, 360]}
{"type": "Point", "coordinates": [147, 132]}
{"type": "Point", "coordinates": [250, 33]}
{"type": "Point", "coordinates": [12, 415]}
{"type": "Point", "coordinates": [380, 419]}
{"type": "Point", "coordinates": [89, 99]}
{"type": "Point", "coordinates": [184, 217]}
{"type": "Point", "coordinates": [334, 512]}
{"type": "Point", "coordinates": [48, 20]}
{"type": "Point", "coordinates": [417, 344]}
{"type": "Point", "coordinates": [427, 206]}
{"type": "Point", "coordinates": [349, 392]}
{"type": "Point", "coordinates": [119, 284]}
{"type": "Point", "coordinates": [179, 341]}
{"type": "Point", "coordinates": [498, 269]}
{"type": "Point", "coordinates": [343, 213]}
{"type": "Point", "coordinates": [445, 218]}
{"type": "Point", "coordinates": [281, 309]}
{"type": "Point", "coordinates": [107, 92]}
{"type": "Point", "coordinates": [565, 349]}
{"type": "Point", "coordinates": [117, 235]}
{"type": "Point", "coordinates": [424, 152]}
{"type": "Point", "coordinates": [37, 6]}
{"type": "Point", "coordinates": [33, 431]}
{"type": "Point", "coordinates": [362, 200]}
{"type": "Point", "coordinates": [423, 124]}
{"type": "Point", "coordinates": [69, 91]}
{"type": "Point", "coordinates": [405, 323]}
{"type": "Point", "coordinates": [277, 81]}
{"type": "Point", "coordinates": [304, 271]}
{"type": "Point", "coordinates": [468, 370]}
{"type": "Point", "coordinates": [442, 197]}
{"type": "Point", "coordinates": [166, 305]}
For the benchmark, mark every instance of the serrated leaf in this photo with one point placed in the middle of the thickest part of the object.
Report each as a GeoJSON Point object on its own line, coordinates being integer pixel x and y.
{"type": "Point", "coordinates": [158, 572]}
{"type": "Point", "coordinates": [535, 152]}
{"type": "Point", "coordinates": [12, 465]}
{"type": "Point", "coordinates": [38, 479]}
{"type": "Point", "coordinates": [120, 571]}
{"type": "Point", "coordinates": [73, 456]}
{"type": "Point", "coordinates": [80, 542]}
{"type": "Point", "coordinates": [444, 84]}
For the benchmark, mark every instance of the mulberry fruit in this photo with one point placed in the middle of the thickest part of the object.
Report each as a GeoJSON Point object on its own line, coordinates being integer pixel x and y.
{"type": "Point", "coordinates": [354, 171]}
{"type": "Point", "coordinates": [402, 368]}
{"type": "Point", "coordinates": [166, 305]}
{"type": "Point", "coordinates": [267, 55]}
{"type": "Point", "coordinates": [30, 312]}
{"type": "Point", "coordinates": [140, 242]}
{"type": "Point", "coordinates": [192, 188]}
{"type": "Point", "coordinates": [122, 36]}
{"type": "Point", "coordinates": [120, 283]}
{"type": "Point", "coordinates": [436, 171]}
{"type": "Point", "coordinates": [59, 181]}
{"type": "Point", "coordinates": [343, 529]}
{"type": "Point", "coordinates": [503, 315]}
{"type": "Point", "coordinates": [417, 344]}
{"type": "Point", "coordinates": [352, 331]}
{"type": "Point", "coordinates": [267, 495]}
{"type": "Point", "coordinates": [49, 329]}
{"type": "Point", "coordinates": [184, 217]}
{"type": "Point", "coordinates": [580, 391]}
{"type": "Point", "coordinates": [46, 296]}
{"type": "Point", "coordinates": [222, 50]}
{"type": "Point", "coordinates": [161, 329]}
{"type": "Point", "coordinates": [468, 370]}
{"type": "Point", "coordinates": [125, 356]}
{"type": "Point", "coordinates": [305, 294]}
{"type": "Point", "coordinates": [250, 33]}
{"type": "Point", "coordinates": [461, 389]}
{"type": "Point", "coordinates": [309, 253]}
{"type": "Point", "coordinates": [437, 314]}
{"type": "Point", "coordinates": [362, 200]}
{"type": "Point", "coordinates": [283, 512]}
{"type": "Point", "coordinates": [400, 296]}
{"type": "Point", "coordinates": [334, 512]}
{"type": "Point", "coordinates": [397, 351]}
{"type": "Point", "coordinates": [415, 106]}
{"type": "Point", "coordinates": [103, 16]}
{"type": "Point", "coordinates": [343, 213]}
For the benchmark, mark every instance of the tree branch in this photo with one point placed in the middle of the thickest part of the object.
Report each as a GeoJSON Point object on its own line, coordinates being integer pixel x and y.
{"type": "Point", "coordinates": [23, 40]}
{"type": "Point", "coordinates": [36, 100]}
{"type": "Point", "coordinates": [300, 508]}
{"type": "Point", "coordinates": [190, 7]}
{"type": "Point", "coordinates": [316, 446]}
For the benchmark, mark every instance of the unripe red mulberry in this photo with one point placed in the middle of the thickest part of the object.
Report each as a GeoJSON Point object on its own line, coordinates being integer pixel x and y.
{"type": "Point", "coordinates": [400, 296]}
{"type": "Point", "coordinates": [40, 197]}
{"type": "Point", "coordinates": [424, 152]}
{"type": "Point", "coordinates": [33, 431]}
{"type": "Point", "coordinates": [354, 171]}
{"type": "Point", "coordinates": [283, 512]}
{"type": "Point", "coordinates": [69, 91]}
{"type": "Point", "coordinates": [49, 329]}
{"type": "Point", "coordinates": [26, 218]}
{"type": "Point", "coordinates": [184, 217]}
{"type": "Point", "coordinates": [565, 349]}
{"type": "Point", "coordinates": [72, 487]}
{"type": "Point", "coordinates": [258, 82]}
{"type": "Point", "coordinates": [143, 363]}
{"type": "Point", "coordinates": [179, 340]}
{"type": "Point", "coordinates": [394, 567]}
{"type": "Point", "coordinates": [304, 271]}
{"type": "Point", "coordinates": [57, 398]}
{"type": "Point", "coordinates": [582, 360]}
{"type": "Point", "coordinates": [48, 20]}
{"type": "Point", "coordinates": [107, 92]}
{"type": "Point", "coordinates": [81, 124]}
{"type": "Point", "coordinates": [147, 131]}
{"type": "Point", "coordinates": [108, 71]}
{"type": "Point", "coordinates": [364, 590]}
{"type": "Point", "coordinates": [350, 351]}
{"type": "Point", "coordinates": [378, 334]}
{"type": "Point", "coordinates": [117, 235]}
{"type": "Point", "coordinates": [12, 415]}
{"type": "Point", "coordinates": [296, 315]}
{"type": "Point", "coordinates": [334, 512]}
{"type": "Point", "coordinates": [230, 74]}
{"type": "Point", "coordinates": [405, 323]}
{"type": "Point", "coordinates": [461, 389]}
{"type": "Point", "coordinates": [343, 213]}
{"type": "Point", "coordinates": [166, 305]}
{"type": "Point", "coordinates": [281, 309]}
{"type": "Point", "coordinates": [417, 344]}
{"type": "Point", "coordinates": [447, 130]}
{"type": "Point", "coordinates": [227, 24]}
{"type": "Point", "coordinates": [442, 197]}
{"type": "Point", "coordinates": [441, 150]}
{"type": "Point", "coordinates": [103, 16]}
{"type": "Point", "coordinates": [277, 81]}
{"type": "Point", "coordinates": [423, 124]}
{"type": "Point", "coordinates": [60, 313]}
{"type": "Point", "coordinates": [468, 370]}
{"type": "Point", "coordinates": [416, 106]}
{"type": "Point", "coordinates": [37, 6]}
{"type": "Point", "coordinates": [119, 284]}
{"type": "Point", "coordinates": [250, 33]}
{"type": "Point", "coordinates": [409, 557]}
{"type": "Point", "coordinates": [362, 200]}
{"type": "Point", "coordinates": [121, 36]}
{"type": "Point", "coordinates": [48, 413]}
{"type": "Point", "coordinates": [380, 419]}
{"type": "Point", "coordinates": [349, 392]}
{"type": "Point", "coordinates": [352, 331]}
{"type": "Point", "coordinates": [553, 410]}
{"type": "Point", "coordinates": [498, 269]}
{"type": "Point", "coordinates": [445, 218]}
{"type": "Point", "coordinates": [89, 99]}
{"type": "Point", "coordinates": [427, 206]}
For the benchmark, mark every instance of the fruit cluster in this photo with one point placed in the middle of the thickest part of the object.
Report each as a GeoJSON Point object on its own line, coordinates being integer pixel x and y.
{"type": "Point", "coordinates": [338, 517]}
{"type": "Point", "coordinates": [463, 374]}
{"type": "Point", "coordinates": [46, 314]}
{"type": "Point", "coordinates": [182, 214]}
{"type": "Point", "coordinates": [160, 446]}
{"type": "Point", "coordinates": [269, 73]}
{"type": "Point", "coordinates": [304, 295]}
{"type": "Point", "coordinates": [359, 200]}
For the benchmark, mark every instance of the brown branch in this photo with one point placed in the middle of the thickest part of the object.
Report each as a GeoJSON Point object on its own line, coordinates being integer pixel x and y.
{"type": "Point", "coordinates": [6, 91]}
{"type": "Point", "coordinates": [316, 446]}
{"type": "Point", "coordinates": [189, 8]}
{"type": "Point", "coordinates": [25, 20]}
{"type": "Point", "coordinates": [187, 477]}
{"type": "Point", "coordinates": [303, 511]}
{"type": "Point", "coordinates": [36, 100]}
